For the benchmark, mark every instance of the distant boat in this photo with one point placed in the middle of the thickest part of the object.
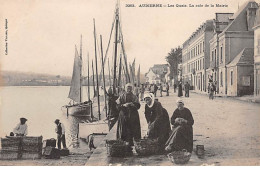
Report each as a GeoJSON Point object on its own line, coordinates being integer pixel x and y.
{"type": "Point", "coordinates": [76, 107]}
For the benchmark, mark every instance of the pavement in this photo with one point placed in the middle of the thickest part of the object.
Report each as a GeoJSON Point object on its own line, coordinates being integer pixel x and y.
{"type": "Point", "coordinates": [228, 128]}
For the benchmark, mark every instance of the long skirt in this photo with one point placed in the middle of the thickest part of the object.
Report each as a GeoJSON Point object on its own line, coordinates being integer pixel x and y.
{"type": "Point", "coordinates": [128, 127]}
{"type": "Point", "coordinates": [181, 138]}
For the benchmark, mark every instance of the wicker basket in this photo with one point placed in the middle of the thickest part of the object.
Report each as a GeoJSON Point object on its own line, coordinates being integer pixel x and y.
{"type": "Point", "coordinates": [146, 146]}
{"type": "Point", "coordinates": [10, 155]}
{"type": "Point", "coordinates": [179, 157]}
{"type": "Point", "coordinates": [116, 148]}
{"type": "Point", "coordinates": [31, 155]}
{"type": "Point", "coordinates": [31, 140]}
{"type": "Point", "coordinates": [11, 144]}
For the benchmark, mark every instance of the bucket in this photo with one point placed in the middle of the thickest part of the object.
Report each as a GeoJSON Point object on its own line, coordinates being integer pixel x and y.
{"type": "Point", "coordinates": [200, 150]}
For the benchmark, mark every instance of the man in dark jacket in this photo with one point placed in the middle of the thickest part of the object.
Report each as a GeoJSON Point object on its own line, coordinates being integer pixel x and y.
{"type": "Point", "coordinates": [60, 130]}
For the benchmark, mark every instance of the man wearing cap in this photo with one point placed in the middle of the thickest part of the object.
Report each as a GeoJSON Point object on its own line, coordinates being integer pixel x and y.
{"type": "Point", "coordinates": [128, 127]}
{"type": "Point", "coordinates": [182, 131]}
{"type": "Point", "coordinates": [21, 129]}
{"type": "Point", "coordinates": [60, 130]}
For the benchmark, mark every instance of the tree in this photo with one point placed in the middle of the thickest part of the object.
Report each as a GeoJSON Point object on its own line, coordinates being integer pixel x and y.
{"type": "Point", "coordinates": [174, 58]}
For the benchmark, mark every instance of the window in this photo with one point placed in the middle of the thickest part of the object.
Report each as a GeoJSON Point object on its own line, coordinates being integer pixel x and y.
{"type": "Point", "coordinates": [212, 55]}
{"type": "Point", "coordinates": [231, 77]}
{"type": "Point", "coordinates": [215, 56]}
{"type": "Point", "coordinates": [221, 79]}
{"type": "Point", "coordinates": [221, 54]}
{"type": "Point", "coordinates": [203, 46]}
{"type": "Point", "coordinates": [200, 64]}
{"type": "Point", "coordinates": [258, 46]}
{"type": "Point", "coordinates": [200, 47]}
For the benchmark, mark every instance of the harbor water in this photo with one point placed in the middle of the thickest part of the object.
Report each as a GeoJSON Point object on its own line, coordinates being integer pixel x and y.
{"type": "Point", "coordinates": [41, 105]}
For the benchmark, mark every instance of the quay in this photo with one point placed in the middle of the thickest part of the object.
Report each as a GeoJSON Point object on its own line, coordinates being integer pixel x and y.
{"type": "Point", "coordinates": [228, 129]}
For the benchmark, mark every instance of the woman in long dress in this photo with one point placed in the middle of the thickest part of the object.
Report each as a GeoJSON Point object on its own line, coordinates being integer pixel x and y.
{"type": "Point", "coordinates": [180, 90]}
{"type": "Point", "coordinates": [128, 121]}
{"type": "Point", "coordinates": [158, 120]}
{"type": "Point", "coordinates": [182, 131]}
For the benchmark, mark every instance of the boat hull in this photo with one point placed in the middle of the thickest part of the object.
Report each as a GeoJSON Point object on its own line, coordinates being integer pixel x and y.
{"type": "Point", "coordinates": [83, 109]}
{"type": "Point", "coordinates": [85, 129]}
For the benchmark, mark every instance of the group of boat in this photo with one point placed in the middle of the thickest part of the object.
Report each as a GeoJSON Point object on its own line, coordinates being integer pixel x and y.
{"type": "Point", "coordinates": [96, 108]}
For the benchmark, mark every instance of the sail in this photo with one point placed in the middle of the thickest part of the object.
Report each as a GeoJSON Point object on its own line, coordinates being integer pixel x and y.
{"type": "Point", "coordinates": [138, 77]}
{"type": "Point", "coordinates": [74, 93]}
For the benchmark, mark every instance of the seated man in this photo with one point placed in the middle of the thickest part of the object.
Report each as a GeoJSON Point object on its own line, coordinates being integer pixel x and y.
{"type": "Point", "coordinates": [182, 131]}
{"type": "Point", "coordinates": [21, 129]}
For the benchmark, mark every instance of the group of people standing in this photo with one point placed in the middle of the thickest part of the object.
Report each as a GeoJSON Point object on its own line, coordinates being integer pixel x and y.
{"type": "Point", "coordinates": [129, 128]}
{"type": "Point", "coordinates": [21, 129]}
{"type": "Point", "coordinates": [180, 88]}
{"type": "Point", "coordinates": [153, 88]}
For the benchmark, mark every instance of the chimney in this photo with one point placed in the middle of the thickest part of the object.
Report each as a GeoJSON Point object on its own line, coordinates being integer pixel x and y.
{"type": "Point", "coordinates": [251, 15]}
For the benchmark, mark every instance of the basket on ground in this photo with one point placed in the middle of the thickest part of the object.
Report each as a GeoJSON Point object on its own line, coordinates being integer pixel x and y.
{"type": "Point", "coordinates": [11, 143]}
{"type": "Point", "coordinates": [179, 157]}
{"type": "Point", "coordinates": [116, 148]}
{"type": "Point", "coordinates": [146, 146]}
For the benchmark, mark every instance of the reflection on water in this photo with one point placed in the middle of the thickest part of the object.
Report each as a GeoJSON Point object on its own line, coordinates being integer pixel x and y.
{"type": "Point", "coordinates": [41, 105]}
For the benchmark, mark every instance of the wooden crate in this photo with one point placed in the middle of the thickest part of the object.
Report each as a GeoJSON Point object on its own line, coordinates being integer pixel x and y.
{"type": "Point", "coordinates": [30, 155]}
{"type": "Point", "coordinates": [10, 155]}
{"type": "Point", "coordinates": [31, 140]}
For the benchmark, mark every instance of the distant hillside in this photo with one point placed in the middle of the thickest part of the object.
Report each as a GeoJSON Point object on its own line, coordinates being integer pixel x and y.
{"type": "Point", "coordinates": [11, 78]}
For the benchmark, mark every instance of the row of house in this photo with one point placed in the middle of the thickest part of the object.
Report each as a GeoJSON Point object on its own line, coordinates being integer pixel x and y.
{"type": "Point", "coordinates": [157, 74]}
{"type": "Point", "coordinates": [225, 50]}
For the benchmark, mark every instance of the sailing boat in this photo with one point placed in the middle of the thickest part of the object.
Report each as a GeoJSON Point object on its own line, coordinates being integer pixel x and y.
{"type": "Point", "coordinates": [77, 107]}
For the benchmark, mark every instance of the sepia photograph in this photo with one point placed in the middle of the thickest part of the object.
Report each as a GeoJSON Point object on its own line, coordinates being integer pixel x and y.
{"type": "Point", "coordinates": [130, 83]}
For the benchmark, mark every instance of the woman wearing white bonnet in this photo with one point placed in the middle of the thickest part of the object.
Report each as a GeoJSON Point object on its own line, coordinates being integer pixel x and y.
{"type": "Point", "coordinates": [128, 127]}
{"type": "Point", "coordinates": [182, 131]}
{"type": "Point", "coordinates": [158, 120]}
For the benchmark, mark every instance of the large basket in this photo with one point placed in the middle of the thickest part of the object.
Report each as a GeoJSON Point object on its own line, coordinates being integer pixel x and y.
{"type": "Point", "coordinates": [31, 155]}
{"type": "Point", "coordinates": [179, 157]}
{"type": "Point", "coordinates": [10, 155]}
{"type": "Point", "coordinates": [11, 143]}
{"type": "Point", "coordinates": [32, 144]}
{"type": "Point", "coordinates": [116, 148]}
{"type": "Point", "coordinates": [32, 140]}
{"type": "Point", "coordinates": [146, 146]}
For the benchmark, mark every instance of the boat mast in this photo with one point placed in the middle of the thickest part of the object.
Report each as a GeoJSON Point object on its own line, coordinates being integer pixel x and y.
{"type": "Point", "coordinates": [115, 57]}
{"type": "Point", "coordinates": [80, 90]}
{"type": "Point", "coordinates": [119, 73]}
{"type": "Point", "coordinates": [109, 73]}
{"type": "Point", "coordinates": [99, 115]}
{"type": "Point", "coordinates": [91, 108]}
{"type": "Point", "coordinates": [88, 80]}
{"type": "Point", "coordinates": [103, 67]}
{"type": "Point", "coordinates": [93, 76]}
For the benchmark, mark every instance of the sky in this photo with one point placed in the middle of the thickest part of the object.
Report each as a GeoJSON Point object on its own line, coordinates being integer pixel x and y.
{"type": "Point", "coordinates": [42, 34]}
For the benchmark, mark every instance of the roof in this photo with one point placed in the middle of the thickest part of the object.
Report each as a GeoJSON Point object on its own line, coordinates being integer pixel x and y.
{"type": "Point", "coordinates": [160, 65]}
{"type": "Point", "coordinates": [238, 24]}
{"type": "Point", "coordinates": [206, 26]}
{"type": "Point", "coordinates": [245, 57]}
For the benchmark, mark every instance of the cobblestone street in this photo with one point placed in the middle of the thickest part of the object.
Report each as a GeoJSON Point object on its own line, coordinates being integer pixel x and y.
{"type": "Point", "coordinates": [228, 129]}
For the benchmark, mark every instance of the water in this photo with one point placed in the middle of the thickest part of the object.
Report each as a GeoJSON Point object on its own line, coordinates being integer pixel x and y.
{"type": "Point", "coordinates": [41, 105]}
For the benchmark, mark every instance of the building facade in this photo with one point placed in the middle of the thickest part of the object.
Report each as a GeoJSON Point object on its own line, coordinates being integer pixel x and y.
{"type": "Point", "coordinates": [257, 54]}
{"type": "Point", "coordinates": [221, 21]}
{"type": "Point", "coordinates": [195, 56]}
{"type": "Point", "coordinates": [157, 74]}
{"type": "Point", "coordinates": [237, 36]}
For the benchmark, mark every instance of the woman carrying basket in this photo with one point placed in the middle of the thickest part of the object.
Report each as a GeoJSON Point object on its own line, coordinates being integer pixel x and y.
{"type": "Point", "coordinates": [158, 120]}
